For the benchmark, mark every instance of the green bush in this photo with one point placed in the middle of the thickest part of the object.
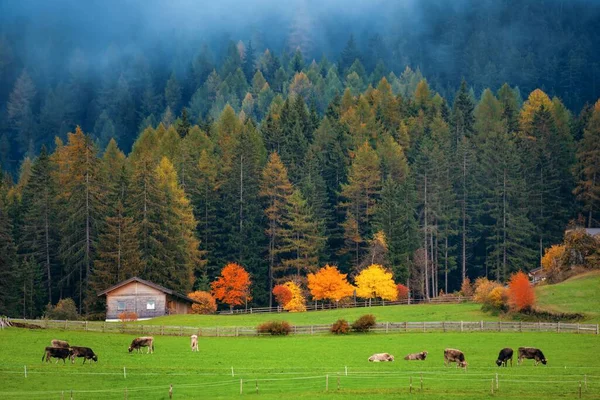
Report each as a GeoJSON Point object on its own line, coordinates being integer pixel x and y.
{"type": "Point", "coordinates": [340, 327]}
{"type": "Point", "coordinates": [65, 309]}
{"type": "Point", "coordinates": [364, 323]}
{"type": "Point", "coordinates": [275, 328]}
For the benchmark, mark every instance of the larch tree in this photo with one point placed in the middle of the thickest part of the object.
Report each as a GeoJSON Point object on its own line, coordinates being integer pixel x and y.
{"type": "Point", "coordinates": [360, 195]}
{"type": "Point", "coordinates": [84, 205]}
{"type": "Point", "coordinates": [276, 190]}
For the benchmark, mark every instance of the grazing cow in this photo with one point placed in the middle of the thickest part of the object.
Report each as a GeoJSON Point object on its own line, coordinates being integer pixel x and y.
{"type": "Point", "coordinates": [417, 356]}
{"type": "Point", "coordinates": [531, 353]}
{"type": "Point", "coordinates": [85, 352]}
{"type": "Point", "coordinates": [453, 355]}
{"type": "Point", "coordinates": [56, 352]}
{"type": "Point", "coordinates": [505, 355]}
{"type": "Point", "coordinates": [144, 341]}
{"type": "Point", "coordinates": [194, 342]}
{"type": "Point", "coordinates": [60, 343]}
{"type": "Point", "coordinates": [381, 357]}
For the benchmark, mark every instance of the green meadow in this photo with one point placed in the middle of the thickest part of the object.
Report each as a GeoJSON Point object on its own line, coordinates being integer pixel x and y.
{"type": "Point", "coordinates": [298, 366]}
{"type": "Point", "coordinates": [578, 294]}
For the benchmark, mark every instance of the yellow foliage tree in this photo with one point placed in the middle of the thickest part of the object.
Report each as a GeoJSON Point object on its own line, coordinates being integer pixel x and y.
{"type": "Point", "coordinates": [534, 102]}
{"type": "Point", "coordinates": [374, 281]}
{"type": "Point", "coordinates": [498, 297]}
{"type": "Point", "coordinates": [329, 283]}
{"type": "Point", "coordinates": [483, 289]}
{"type": "Point", "coordinates": [552, 262]}
{"type": "Point", "coordinates": [297, 303]}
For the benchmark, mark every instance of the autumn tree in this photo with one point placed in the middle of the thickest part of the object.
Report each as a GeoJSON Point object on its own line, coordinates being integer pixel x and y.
{"type": "Point", "coordinates": [297, 303]}
{"type": "Point", "coordinates": [374, 282]}
{"type": "Point", "coordinates": [329, 284]}
{"type": "Point", "coordinates": [521, 295]}
{"type": "Point", "coordinates": [552, 262]}
{"type": "Point", "coordinates": [206, 303]}
{"type": "Point", "coordinates": [282, 294]}
{"type": "Point", "coordinates": [233, 286]}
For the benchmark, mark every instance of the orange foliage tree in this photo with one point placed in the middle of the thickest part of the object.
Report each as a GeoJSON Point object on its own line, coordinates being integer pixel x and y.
{"type": "Point", "coordinates": [206, 303]}
{"type": "Point", "coordinates": [233, 286]}
{"type": "Point", "coordinates": [521, 293]}
{"type": "Point", "coordinates": [402, 292]}
{"type": "Point", "coordinates": [329, 283]}
{"type": "Point", "coordinates": [283, 294]}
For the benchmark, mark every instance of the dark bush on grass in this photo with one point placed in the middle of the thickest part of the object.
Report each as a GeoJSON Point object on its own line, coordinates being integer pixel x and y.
{"type": "Point", "coordinates": [275, 328]}
{"type": "Point", "coordinates": [340, 327]}
{"type": "Point", "coordinates": [364, 323]}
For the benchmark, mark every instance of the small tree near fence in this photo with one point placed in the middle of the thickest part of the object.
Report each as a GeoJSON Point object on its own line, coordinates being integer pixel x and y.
{"type": "Point", "coordinates": [206, 303]}
{"type": "Point", "coordinates": [233, 286]}
{"type": "Point", "coordinates": [521, 293]}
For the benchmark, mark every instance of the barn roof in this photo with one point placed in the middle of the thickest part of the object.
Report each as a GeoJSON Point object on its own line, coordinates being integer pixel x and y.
{"type": "Point", "coordinates": [147, 283]}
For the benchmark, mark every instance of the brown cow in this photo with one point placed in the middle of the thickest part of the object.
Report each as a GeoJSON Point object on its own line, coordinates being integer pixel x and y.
{"type": "Point", "coordinates": [453, 355]}
{"type": "Point", "coordinates": [144, 341]}
{"type": "Point", "coordinates": [60, 343]}
{"type": "Point", "coordinates": [379, 357]}
{"type": "Point", "coordinates": [531, 353]}
{"type": "Point", "coordinates": [57, 352]}
{"type": "Point", "coordinates": [417, 356]}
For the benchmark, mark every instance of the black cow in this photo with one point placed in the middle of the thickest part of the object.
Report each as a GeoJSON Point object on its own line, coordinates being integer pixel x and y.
{"type": "Point", "coordinates": [57, 352]}
{"type": "Point", "coordinates": [531, 353]}
{"type": "Point", "coordinates": [505, 355]}
{"type": "Point", "coordinates": [85, 352]}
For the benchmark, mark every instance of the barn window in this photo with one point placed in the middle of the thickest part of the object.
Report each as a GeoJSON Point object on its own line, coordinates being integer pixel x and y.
{"type": "Point", "coordinates": [150, 305]}
{"type": "Point", "coordinates": [120, 306]}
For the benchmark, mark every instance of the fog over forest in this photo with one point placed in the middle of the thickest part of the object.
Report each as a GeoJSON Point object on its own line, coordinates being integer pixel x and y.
{"type": "Point", "coordinates": [442, 139]}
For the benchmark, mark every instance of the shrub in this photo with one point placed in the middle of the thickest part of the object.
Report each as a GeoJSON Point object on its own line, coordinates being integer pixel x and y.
{"type": "Point", "coordinates": [483, 288]}
{"type": "Point", "coordinates": [127, 316]}
{"type": "Point", "coordinates": [466, 289]}
{"type": "Point", "coordinates": [364, 323]}
{"type": "Point", "coordinates": [552, 263]}
{"type": "Point", "coordinates": [402, 292]}
{"type": "Point", "coordinates": [498, 298]}
{"type": "Point", "coordinates": [521, 293]}
{"type": "Point", "coordinates": [275, 328]}
{"type": "Point", "coordinates": [207, 305]}
{"type": "Point", "coordinates": [64, 309]}
{"type": "Point", "coordinates": [340, 327]}
{"type": "Point", "coordinates": [283, 295]}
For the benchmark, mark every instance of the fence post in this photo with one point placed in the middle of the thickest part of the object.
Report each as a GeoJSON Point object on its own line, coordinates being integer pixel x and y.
{"type": "Point", "coordinates": [410, 385]}
{"type": "Point", "coordinates": [251, 313]}
{"type": "Point", "coordinates": [579, 389]}
{"type": "Point", "coordinates": [327, 383]}
{"type": "Point", "coordinates": [72, 393]}
{"type": "Point", "coordinates": [497, 380]}
{"type": "Point", "coordinates": [461, 326]}
{"type": "Point", "coordinates": [387, 326]}
{"type": "Point", "coordinates": [597, 329]}
{"type": "Point", "coordinates": [237, 332]}
{"type": "Point", "coordinates": [338, 382]}
{"type": "Point", "coordinates": [103, 326]}
{"type": "Point", "coordinates": [312, 330]}
{"type": "Point", "coordinates": [423, 326]}
{"type": "Point", "coordinates": [124, 373]}
{"type": "Point", "coordinates": [481, 325]}
{"type": "Point", "coordinates": [578, 327]}
{"type": "Point", "coordinates": [241, 386]}
{"type": "Point", "coordinates": [492, 386]}
{"type": "Point", "coordinates": [26, 371]}
{"type": "Point", "coordinates": [346, 368]}
{"type": "Point", "coordinates": [86, 326]}
{"type": "Point", "coordinates": [171, 391]}
{"type": "Point", "coordinates": [257, 386]}
{"type": "Point", "coordinates": [66, 324]}
{"type": "Point", "coordinates": [444, 326]}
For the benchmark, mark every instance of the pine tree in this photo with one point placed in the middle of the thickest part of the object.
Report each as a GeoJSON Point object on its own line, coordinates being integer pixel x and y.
{"type": "Point", "coordinates": [249, 62]}
{"type": "Point", "coordinates": [39, 241]}
{"type": "Point", "coordinates": [588, 186]}
{"type": "Point", "coordinates": [276, 190]}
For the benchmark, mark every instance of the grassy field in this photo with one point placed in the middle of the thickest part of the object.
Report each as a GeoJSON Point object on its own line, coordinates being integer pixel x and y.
{"type": "Point", "coordinates": [298, 366]}
{"type": "Point", "coordinates": [579, 294]}
{"type": "Point", "coordinates": [420, 312]}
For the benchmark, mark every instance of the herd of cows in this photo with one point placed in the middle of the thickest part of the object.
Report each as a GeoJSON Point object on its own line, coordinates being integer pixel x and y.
{"type": "Point", "coordinates": [61, 349]}
{"type": "Point", "coordinates": [457, 356]}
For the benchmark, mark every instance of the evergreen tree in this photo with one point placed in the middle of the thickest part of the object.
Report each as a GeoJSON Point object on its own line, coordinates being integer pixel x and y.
{"type": "Point", "coordinates": [20, 113]}
{"type": "Point", "coordinates": [8, 264]}
{"type": "Point", "coordinates": [249, 62]}
{"type": "Point", "coordinates": [173, 93]}
{"type": "Point", "coordinates": [348, 56]}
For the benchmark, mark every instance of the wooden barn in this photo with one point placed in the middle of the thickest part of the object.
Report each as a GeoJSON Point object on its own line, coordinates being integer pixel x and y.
{"type": "Point", "coordinates": [145, 298]}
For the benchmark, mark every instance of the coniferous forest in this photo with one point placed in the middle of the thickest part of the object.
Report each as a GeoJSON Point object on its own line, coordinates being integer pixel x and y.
{"type": "Point", "coordinates": [453, 141]}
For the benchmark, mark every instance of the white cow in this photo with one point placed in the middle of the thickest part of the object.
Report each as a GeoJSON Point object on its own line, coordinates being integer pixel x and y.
{"type": "Point", "coordinates": [194, 342]}
{"type": "Point", "coordinates": [381, 357]}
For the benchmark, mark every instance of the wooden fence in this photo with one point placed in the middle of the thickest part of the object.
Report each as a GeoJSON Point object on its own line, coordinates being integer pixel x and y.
{"type": "Point", "coordinates": [382, 327]}
{"type": "Point", "coordinates": [354, 304]}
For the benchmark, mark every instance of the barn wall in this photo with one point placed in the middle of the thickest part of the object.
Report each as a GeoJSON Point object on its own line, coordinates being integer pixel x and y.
{"type": "Point", "coordinates": [136, 295]}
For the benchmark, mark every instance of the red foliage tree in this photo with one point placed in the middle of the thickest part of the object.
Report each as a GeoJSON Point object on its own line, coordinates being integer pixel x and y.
{"type": "Point", "coordinates": [402, 292]}
{"type": "Point", "coordinates": [282, 294]}
{"type": "Point", "coordinates": [233, 286]}
{"type": "Point", "coordinates": [521, 293]}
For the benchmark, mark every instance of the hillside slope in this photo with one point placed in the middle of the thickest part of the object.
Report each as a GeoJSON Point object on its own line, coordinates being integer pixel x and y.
{"type": "Point", "coordinates": [580, 294]}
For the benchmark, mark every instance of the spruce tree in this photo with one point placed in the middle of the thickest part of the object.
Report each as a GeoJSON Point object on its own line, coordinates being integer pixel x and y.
{"type": "Point", "coordinates": [588, 168]}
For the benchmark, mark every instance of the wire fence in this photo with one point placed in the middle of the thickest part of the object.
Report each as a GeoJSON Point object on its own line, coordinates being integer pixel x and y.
{"type": "Point", "coordinates": [436, 382]}
{"type": "Point", "coordinates": [318, 329]}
